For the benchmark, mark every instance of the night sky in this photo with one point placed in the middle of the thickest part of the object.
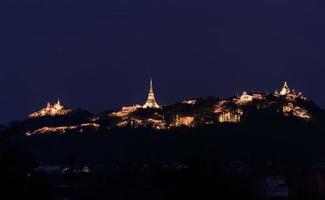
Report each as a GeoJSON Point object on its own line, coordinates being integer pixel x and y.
{"type": "Point", "coordinates": [100, 55]}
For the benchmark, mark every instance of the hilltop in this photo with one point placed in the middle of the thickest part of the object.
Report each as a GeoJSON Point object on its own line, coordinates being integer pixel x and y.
{"type": "Point", "coordinates": [278, 107]}
{"type": "Point", "coordinates": [283, 125]}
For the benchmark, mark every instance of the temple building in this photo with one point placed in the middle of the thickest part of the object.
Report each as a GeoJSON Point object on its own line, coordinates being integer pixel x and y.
{"type": "Point", "coordinates": [289, 93]}
{"type": "Point", "coordinates": [184, 121]}
{"type": "Point", "coordinates": [230, 116]}
{"type": "Point", "coordinates": [51, 110]}
{"type": "Point", "coordinates": [285, 90]}
{"type": "Point", "coordinates": [151, 102]}
{"type": "Point", "coordinates": [245, 98]}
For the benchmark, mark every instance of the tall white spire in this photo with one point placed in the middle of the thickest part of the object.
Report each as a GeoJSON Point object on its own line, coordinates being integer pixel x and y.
{"type": "Point", "coordinates": [151, 102]}
{"type": "Point", "coordinates": [151, 87]}
{"type": "Point", "coordinates": [285, 90]}
{"type": "Point", "coordinates": [58, 105]}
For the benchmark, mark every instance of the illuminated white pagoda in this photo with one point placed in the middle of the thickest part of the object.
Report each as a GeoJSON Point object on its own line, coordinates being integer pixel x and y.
{"type": "Point", "coordinates": [151, 102]}
{"type": "Point", "coordinates": [285, 90]}
{"type": "Point", "coordinates": [289, 93]}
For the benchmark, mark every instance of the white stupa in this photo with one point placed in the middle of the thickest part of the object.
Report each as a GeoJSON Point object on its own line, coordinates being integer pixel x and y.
{"type": "Point", "coordinates": [151, 102]}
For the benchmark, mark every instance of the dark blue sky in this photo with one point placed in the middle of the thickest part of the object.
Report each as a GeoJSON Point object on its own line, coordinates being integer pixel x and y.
{"type": "Point", "coordinates": [99, 55]}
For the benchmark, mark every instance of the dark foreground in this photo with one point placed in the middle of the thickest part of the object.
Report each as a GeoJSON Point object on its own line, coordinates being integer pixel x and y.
{"type": "Point", "coordinates": [193, 181]}
{"type": "Point", "coordinates": [226, 162]}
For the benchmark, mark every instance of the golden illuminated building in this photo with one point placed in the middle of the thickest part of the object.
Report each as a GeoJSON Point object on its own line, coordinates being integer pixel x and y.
{"type": "Point", "coordinates": [184, 121]}
{"type": "Point", "coordinates": [245, 98]}
{"type": "Point", "coordinates": [51, 110]}
{"type": "Point", "coordinates": [151, 102]}
{"type": "Point", "coordinates": [289, 93]}
{"type": "Point", "coordinates": [230, 116]}
{"type": "Point", "coordinates": [285, 90]}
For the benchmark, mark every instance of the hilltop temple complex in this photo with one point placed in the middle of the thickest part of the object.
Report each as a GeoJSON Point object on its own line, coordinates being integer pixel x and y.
{"type": "Point", "coordinates": [51, 110]}
{"type": "Point", "coordinates": [189, 113]}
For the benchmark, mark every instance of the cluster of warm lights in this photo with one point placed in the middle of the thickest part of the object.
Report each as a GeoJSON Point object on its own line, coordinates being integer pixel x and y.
{"type": "Point", "coordinates": [122, 124]}
{"type": "Point", "coordinates": [230, 116]}
{"type": "Point", "coordinates": [244, 98]}
{"type": "Point", "coordinates": [297, 111]}
{"type": "Point", "coordinates": [125, 111]}
{"type": "Point", "coordinates": [51, 110]}
{"type": "Point", "coordinates": [289, 94]}
{"type": "Point", "coordinates": [45, 130]}
{"type": "Point", "coordinates": [224, 112]}
{"type": "Point", "coordinates": [189, 102]}
{"type": "Point", "coordinates": [226, 115]}
{"type": "Point", "coordinates": [184, 121]}
{"type": "Point", "coordinates": [150, 122]}
{"type": "Point", "coordinates": [247, 98]}
{"type": "Point", "coordinates": [156, 123]}
{"type": "Point", "coordinates": [63, 129]}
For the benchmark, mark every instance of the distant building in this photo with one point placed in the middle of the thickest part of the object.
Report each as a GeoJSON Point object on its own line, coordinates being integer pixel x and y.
{"type": "Point", "coordinates": [285, 90]}
{"type": "Point", "coordinates": [151, 102]}
{"type": "Point", "coordinates": [227, 113]}
{"type": "Point", "coordinates": [245, 98]}
{"type": "Point", "coordinates": [289, 93]}
{"type": "Point", "coordinates": [51, 110]}
{"type": "Point", "coordinates": [227, 116]}
{"type": "Point", "coordinates": [184, 121]}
